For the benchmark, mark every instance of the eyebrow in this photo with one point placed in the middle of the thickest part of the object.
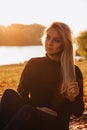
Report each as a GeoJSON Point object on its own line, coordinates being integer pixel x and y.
{"type": "Point", "coordinates": [54, 37]}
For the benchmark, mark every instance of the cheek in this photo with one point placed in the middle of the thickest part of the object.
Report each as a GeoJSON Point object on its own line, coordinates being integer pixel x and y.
{"type": "Point", "coordinates": [60, 47]}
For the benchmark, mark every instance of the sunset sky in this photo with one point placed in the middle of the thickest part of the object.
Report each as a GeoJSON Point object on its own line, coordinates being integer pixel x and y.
{"type": "Point", "coordinates": [72, 12]}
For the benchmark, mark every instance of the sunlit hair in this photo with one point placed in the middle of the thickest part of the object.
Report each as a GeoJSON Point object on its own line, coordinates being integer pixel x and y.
{"type": "Point", "coordinates": [67, 57]}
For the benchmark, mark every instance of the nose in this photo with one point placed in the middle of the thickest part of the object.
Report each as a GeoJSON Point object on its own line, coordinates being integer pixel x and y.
{"type": "Point", "coordinates": [50, 42]}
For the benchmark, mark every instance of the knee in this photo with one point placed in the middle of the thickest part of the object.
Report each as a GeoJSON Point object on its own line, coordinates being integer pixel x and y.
{"type": "Point", "coordinates": [8, 92]}
{"type": "Point", "coordinates": [11, 100]}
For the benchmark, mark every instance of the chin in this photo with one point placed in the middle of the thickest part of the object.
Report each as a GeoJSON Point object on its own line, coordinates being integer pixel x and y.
{"type": "Point", "coordinates": [51, 52]}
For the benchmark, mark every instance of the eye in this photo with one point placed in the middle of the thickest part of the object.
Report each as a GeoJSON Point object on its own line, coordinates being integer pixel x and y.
{"type": "Point", "coordinates": [57, 40]}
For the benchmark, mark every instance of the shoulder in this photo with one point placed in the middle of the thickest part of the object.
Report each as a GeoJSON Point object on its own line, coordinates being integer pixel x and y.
{"type": "Point", "coordinates": [78, 70]}
{"type": "Point", "coordinates": [36, 59]}
{"type": "Point", "coordinates": [79, 74]}
{"type": "Point", "coordinates": [33, 64]}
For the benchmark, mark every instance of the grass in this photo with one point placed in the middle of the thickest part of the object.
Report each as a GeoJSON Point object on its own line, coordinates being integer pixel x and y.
{"type": "Point", "coordinates": [83, 66]}
{"type": "Point", "coordinates": [10, 76]}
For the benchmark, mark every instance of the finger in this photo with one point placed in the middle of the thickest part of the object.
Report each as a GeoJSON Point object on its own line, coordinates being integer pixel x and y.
{"type": "Point", "coordinates": [73, 83]}
{"type": "Point", "coordinates": [73, 91]}
{"type": "Point", "coordinates": [73, 86]}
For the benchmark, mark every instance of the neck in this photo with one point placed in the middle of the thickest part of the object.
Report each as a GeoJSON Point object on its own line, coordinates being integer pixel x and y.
{"type": "Point", "coordinates": [55, 57]}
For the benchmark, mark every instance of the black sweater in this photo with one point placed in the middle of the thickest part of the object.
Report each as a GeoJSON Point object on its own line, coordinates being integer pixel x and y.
{"type": "Point", "coordinates": [42, 78]}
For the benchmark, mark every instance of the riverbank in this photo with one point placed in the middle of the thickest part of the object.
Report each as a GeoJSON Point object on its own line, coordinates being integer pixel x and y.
{"type": "Point", "coordinates": [10, 76]}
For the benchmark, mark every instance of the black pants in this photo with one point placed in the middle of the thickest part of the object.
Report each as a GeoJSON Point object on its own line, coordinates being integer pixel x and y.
{"type": "Point", "coordinates": [14, 115]}
{"type": "Point", "coordinates": [10, 103]}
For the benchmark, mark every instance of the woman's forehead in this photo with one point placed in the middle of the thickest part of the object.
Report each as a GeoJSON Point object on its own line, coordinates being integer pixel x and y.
{"type": "Point", "coordinates": [54, 32]}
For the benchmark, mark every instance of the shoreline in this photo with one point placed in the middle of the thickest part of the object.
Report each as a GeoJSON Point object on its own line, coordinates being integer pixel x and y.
{"type": "Point", "coordinates": [13, 64]}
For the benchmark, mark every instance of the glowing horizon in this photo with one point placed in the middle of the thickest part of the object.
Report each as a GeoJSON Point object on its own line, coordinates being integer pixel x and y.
{"type": "Point", "coordinates": [72, 12]}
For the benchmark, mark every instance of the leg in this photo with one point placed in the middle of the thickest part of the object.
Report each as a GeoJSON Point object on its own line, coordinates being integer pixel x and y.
{"type": "Point", "coordinates": [29, 118]}
{"type": "Point", "coordinates": [10, 103]}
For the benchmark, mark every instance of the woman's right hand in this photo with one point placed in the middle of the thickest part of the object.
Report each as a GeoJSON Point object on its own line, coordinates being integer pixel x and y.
{"type": "Point", "coordinates": [72, 91]}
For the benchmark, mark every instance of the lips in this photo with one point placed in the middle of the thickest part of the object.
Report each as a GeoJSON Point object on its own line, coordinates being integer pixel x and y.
{"type": "Point", "coordinates": [49, 48]}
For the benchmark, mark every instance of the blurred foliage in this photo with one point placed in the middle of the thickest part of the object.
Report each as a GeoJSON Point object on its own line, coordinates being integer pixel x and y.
{"type": "Point", "coordinates": [21, 35]}
{"type": "Point", "coordinates": [82, 44]}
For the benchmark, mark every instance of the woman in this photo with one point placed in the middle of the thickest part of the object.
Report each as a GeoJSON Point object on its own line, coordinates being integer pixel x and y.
{"type": "Point", "coordinates": [51, 86]}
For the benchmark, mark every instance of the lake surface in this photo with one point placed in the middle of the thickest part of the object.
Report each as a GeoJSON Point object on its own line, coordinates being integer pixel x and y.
{"type": "Point", "coordinates": [17, 54]}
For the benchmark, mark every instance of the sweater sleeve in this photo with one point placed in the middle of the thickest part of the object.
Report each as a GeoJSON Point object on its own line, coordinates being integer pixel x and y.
{"type": "Point", "coordinates": [23, 87]}
{"type": "Point", "coordinates": [76, 107]}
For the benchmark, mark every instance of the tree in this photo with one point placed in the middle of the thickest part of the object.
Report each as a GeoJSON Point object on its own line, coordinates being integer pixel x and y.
{"type": "Point", "coordinates": [1, 35]}
{"type": "Point", "coordinates": [82, 44]}
{"type": "Point", "coordinates": [21, 35]}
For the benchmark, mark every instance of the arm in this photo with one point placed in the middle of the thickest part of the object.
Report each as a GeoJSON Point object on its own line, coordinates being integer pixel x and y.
{"type": "Point", "coordinates": [23, 87]}
{"type": "Point", "coordinates": [77, 106]}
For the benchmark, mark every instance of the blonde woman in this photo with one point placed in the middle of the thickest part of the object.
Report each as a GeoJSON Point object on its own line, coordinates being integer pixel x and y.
{"type": "Point", "coordinates": [51, 86]}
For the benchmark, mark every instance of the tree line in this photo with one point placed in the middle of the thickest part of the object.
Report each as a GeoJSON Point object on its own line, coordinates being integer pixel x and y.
{"type": "Point", "coordinates": [81, 41]}
{"type": "Point", "coordinates": [21, 35]}
{"type": "Point", "coordinates": [25, 35]}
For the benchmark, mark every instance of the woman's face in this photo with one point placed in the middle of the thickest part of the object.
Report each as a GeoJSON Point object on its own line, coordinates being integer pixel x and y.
{"type": "Point", "coordinates": [53, 42]}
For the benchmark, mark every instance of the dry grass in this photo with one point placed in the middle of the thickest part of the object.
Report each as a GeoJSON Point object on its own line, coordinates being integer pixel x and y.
{"type": "Point", "coordinates": [10, 75]}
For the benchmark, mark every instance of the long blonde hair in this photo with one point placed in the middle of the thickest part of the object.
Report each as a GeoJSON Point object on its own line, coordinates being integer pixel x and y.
{"type": "Point", "coordinates": [67, 59]}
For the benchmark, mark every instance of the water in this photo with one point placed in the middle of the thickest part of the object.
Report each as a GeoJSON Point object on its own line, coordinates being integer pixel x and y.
{"type": "Point", "coordinates": [17, 54]}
